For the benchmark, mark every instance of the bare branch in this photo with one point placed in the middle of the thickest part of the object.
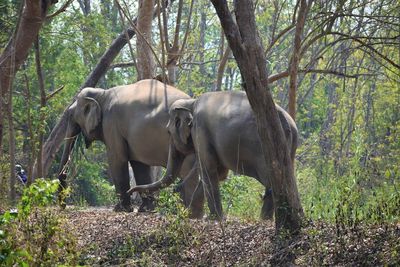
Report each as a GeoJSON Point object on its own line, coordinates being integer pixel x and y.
{"type": "Point", "coordinates": [122, 65]}
{"type": "Point", "coordinates": [285, 74]}
{"type": "Point", "coordinates": [50, 96]}
{"type": "Point", "coordinates": [59, 11]}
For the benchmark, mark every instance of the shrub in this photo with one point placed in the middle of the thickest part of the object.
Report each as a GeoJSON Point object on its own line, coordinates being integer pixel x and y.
{"type": "Point", "coordinates": [33, 234]}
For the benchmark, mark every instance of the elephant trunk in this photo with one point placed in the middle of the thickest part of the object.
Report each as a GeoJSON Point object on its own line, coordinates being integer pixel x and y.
{"type": "Point", "coordinates": [175, 160]}
{"type": "Point", "coordinates": [72, 131]}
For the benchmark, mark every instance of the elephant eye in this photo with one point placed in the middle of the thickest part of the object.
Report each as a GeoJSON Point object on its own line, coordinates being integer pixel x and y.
{"type": "Point", "coordinates": [177, 122]}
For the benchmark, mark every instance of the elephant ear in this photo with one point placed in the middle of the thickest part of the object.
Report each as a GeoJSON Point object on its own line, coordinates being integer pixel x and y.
{"type": "Point", "coordinates": [92, 114]}
{"type": "Point", "coordinates": [183, 124]}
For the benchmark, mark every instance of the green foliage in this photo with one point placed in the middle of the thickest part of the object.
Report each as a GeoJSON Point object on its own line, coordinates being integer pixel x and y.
{"type": "Point", "coordinates": [173, 237]}
{"type": "Point", "coordinates": [178, 230]}
{"type": "Point", "coordinates": [350, 199]}
{"type": "Point", "coordinates": [4, 168]}
{"type": "Point", "coordinates": [89, 186]}
{"type": "Point", "coordinates": [242, 197]}
{"type": "Point", "coordinates": [34, 233]}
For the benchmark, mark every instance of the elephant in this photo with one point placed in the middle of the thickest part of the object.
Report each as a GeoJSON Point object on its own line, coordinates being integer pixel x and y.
{"type": "Point", "coordinates": [130, 120]}
{"type": "Point", "coordinates": [220, 128]}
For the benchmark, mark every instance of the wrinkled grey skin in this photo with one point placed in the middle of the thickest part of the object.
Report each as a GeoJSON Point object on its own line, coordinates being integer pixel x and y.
{"type": "Point", "coordinates": [131, 121]}
{"type": "Point", "coordinates": [220, 128]}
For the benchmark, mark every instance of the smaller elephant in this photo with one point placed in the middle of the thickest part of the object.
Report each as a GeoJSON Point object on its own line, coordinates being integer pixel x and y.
{"type": "Point", "coordinates": [220, 128]}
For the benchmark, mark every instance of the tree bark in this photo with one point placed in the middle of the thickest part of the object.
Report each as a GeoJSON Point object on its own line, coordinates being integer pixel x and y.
{"type": "Point", "coordinates": [173, 51]}
{"type": "Point", "coordinates": [295, 60]}
{"type": "Point", "coordinates": [32, 17]}
{"type": "Point", "coordinates": [145, 57]}
{"type": "Point", "coordinates": [248, 51]}
{"type": "Point", "coordinates": [221, 68]}
{"type": "Point", "coordinates": [203, 24]}
{"type": "Point", "coordinates": [42, 106]}
{"type": "Point", "coordinates": [11, 142]}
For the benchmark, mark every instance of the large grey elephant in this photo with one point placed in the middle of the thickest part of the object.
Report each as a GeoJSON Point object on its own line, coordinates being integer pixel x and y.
{"type": "Point", "coordinates": [131, 121]}
{"type": "Point", "coordinates": [220, 129]}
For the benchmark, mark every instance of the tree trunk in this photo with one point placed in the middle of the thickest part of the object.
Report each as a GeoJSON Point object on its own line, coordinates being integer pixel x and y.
{"type": "Point", "coordinates": [203, 21]}
{"type": "Point", "coordinates": [42, 106]}
{"type": "Point", "coordinates": [173, 51]}
{"type": "Point", "coordinates": [221, 68]}
{"type": "Point", "coordinates": [294, 62]}
{"type": "Point", "coordinates": [249, 53]}
{"type": "Point", "coordinates": [32, 17]}
{"type": "Point", "coordinates": [11, 141]}
{"type": "Point", "coordinates": [31, 139]}
{"type": "Point", "coordinates": [145, 57]}
{"type": "Point", "coordinates": [325, 141]}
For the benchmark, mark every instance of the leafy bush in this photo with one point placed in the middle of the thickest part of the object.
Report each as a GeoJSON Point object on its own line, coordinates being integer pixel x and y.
{"type": "Point", "coordinates": [351, 198]}
{"type": "Point", "coordinates": [178, 232]}
{"type": "Point", "coordinates": [242, 197]}
{"type": "Point", "coordinates": [34, 234]}
{"type": "Point", "coordinates": [174, 236]}
{"type": "Point", "coordinates": [90, 187]}
{"type": "Point", "coordinates": [88, 177]}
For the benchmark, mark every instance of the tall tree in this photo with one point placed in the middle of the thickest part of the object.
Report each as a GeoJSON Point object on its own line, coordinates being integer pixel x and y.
{"type": "Point", "coordinates": [31, 19]}
{"type": "Point", "coordinates": [145, 57]}
{"type": "Point", "coordinates": [248, 51]}
{"type": "Point", "coordinates": [294, 62]}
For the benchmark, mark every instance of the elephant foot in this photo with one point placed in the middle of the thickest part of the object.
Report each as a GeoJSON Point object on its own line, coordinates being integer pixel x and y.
{"type": "Point", "coordinates": [215, 217]}
{"type": "Point", "coordinates": [267, 210]}
{"type": "Point", "coordinates": [147, 204]}
{"type": "Point", "coordinates": [196, 214]}
{"type": "Point", "coordinates": [267, 215]}
{"type": "Point", "coordinates": [123, 208]}
{"type": "Point", "coordinates": [196, 210]}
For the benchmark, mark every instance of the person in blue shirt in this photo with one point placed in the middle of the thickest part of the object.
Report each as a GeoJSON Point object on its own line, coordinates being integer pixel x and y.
{"type": "Point", "coordinates": [21, 175]}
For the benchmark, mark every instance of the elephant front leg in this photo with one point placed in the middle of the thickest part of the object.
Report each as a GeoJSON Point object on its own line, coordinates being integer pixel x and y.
{"type": "Point", "coordinates": [210, 179]}
{"type": "Point", "coordinates": [191, 188]}
{"type": "Point", "coordinates": [143, 175]}
{"type": "Point", "coordinates": [120, 175]}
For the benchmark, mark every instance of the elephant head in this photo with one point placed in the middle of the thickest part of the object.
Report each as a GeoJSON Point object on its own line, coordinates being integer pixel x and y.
{"type": "Point", "coordinates": [180, 124]}
{"type": "Point", "coordinates": [84, 115]}
{"type": "Point", "coordinates": [181, 144]}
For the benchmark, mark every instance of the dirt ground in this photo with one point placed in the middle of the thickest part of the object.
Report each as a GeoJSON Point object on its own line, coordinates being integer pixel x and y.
{"type": "Point", "coordinates": [108, 238]}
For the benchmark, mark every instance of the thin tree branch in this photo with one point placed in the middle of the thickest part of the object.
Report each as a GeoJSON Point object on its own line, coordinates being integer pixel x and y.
{"type": "Point", "coordinates": [52, 94]}
{"type": "Point", "coordinates": [59, 11]}
{"type": "Point", "coordinates": [122, 65]}
{"type": "Point", "coordinates": [285, 74]}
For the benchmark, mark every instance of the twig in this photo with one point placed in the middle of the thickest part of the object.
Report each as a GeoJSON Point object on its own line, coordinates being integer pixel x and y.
{"type": "Point", "coordinates": [48, 97]}
{"type": "Point", "coordinates": [122, 65]}
{"type": "Point", "coordinates": [62, 9]}
{"type": "Point", "coordinates": [278, 76]}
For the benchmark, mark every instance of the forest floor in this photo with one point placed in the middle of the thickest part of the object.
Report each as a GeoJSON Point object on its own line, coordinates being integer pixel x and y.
{"type": "Point", "coordinates": [108, 238]}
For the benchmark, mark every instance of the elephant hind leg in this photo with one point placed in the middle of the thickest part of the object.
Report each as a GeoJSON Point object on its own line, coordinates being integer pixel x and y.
{"type": "Point", "coordinates": [143, 175]}
{"type": "Point", "coordinates": [267, 210]}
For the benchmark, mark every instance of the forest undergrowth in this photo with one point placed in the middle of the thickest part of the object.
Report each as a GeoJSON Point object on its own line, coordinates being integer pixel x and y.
{"type": "Point", "coordinates": [38, 232]}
